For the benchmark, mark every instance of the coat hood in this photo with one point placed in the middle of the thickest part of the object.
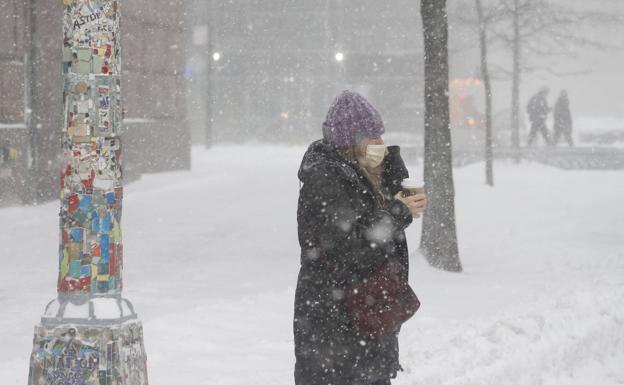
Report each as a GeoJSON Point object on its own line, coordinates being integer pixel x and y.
{"type": "Point", "coordinates": [321, 154]}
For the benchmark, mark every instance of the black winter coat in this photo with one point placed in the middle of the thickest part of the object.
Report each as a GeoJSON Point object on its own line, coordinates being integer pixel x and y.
{"type": "Point", "coordinates": [538, 109]}
{"type": "Point", "coordinates": [345, 235]}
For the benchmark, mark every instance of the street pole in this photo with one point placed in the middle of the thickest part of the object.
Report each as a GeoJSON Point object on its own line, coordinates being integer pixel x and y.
{"type": "Point", "coordinates": [89, 334]}
{"type": "Point", "coordinates": [31, 194]}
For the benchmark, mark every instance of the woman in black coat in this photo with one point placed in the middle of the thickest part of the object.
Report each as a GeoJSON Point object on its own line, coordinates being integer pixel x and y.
{"type": "Point", "coordinates": [351, 220]}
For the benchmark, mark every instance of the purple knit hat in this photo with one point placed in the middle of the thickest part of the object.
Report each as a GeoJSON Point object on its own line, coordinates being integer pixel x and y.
{"type": "Point", "coordinates": [350, 119]}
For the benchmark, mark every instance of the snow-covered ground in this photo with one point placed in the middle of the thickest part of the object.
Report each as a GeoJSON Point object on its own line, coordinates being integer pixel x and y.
{"type": "Point", "coordinates": [211, 260]}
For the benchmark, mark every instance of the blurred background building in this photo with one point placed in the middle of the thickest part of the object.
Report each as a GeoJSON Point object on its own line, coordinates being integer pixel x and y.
{"type": "Point", "coordinates": [154, 53]}
{"type": "Point", "coordinates": [268, 71]}
{"type": "Point", "coordinates": [217, 71]}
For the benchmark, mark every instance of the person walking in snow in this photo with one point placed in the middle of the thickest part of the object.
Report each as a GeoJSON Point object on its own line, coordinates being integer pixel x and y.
{"type": "Point", "coordinates": [538, 111]}
{"type": "Point", "coordinates": [562, 125]}
{"type": "Point", "coordinates": [351, 220]}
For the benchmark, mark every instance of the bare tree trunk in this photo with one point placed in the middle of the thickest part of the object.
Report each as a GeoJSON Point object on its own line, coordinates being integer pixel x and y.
{"type": "Point", "coordinates": [485, 74]}
{"type": "Point", "coordinates": [439, 239]}
{"type": "Point", "coordinates": [515, 88]}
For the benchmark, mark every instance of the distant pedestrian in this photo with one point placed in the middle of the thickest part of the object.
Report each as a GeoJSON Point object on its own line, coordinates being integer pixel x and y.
{"type": "Point", "coordinates": [538, 111]}
{"type": "Point", "coordinates": [562, 119]}
{"type": "Point", "coordinates": [351, 220]}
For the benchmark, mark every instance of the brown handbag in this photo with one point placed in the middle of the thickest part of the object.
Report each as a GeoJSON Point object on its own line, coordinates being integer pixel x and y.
{"type": "Point", "coordinates": [382, 302]}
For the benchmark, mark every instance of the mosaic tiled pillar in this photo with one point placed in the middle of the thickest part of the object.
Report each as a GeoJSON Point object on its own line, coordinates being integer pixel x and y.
{"type": "Point", "coordinates": [90, 335]}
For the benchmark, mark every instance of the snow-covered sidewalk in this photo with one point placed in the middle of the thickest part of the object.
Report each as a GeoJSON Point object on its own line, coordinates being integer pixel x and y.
{"type": "Point", "coordinates": [211, 259]}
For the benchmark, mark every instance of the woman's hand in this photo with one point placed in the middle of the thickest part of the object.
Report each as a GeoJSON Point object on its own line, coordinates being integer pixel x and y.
{"type": "Point", "coordinates": [415, 203]}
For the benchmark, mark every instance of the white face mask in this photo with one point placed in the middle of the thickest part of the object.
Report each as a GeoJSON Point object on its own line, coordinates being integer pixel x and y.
{"type": "Point", "coordinates": [375, 154]}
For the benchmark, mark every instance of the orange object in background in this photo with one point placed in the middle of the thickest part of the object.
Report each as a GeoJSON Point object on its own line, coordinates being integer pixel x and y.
{"type": "Point", "coordinates": [463, 111]}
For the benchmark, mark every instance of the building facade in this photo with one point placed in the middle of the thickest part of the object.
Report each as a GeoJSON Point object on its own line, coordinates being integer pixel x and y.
{"type": "Point", "coordinates": [274, 67]}
{"type": "Point", "coordinates": [154, 37]}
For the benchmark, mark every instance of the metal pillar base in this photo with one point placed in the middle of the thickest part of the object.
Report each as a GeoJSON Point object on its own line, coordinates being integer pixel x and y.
{"type": "Point", "coordinates": [84, 340]}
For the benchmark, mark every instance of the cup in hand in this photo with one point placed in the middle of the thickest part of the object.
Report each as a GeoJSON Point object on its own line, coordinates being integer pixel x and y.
{"type": "Point", "coordinates": [412, 187]}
